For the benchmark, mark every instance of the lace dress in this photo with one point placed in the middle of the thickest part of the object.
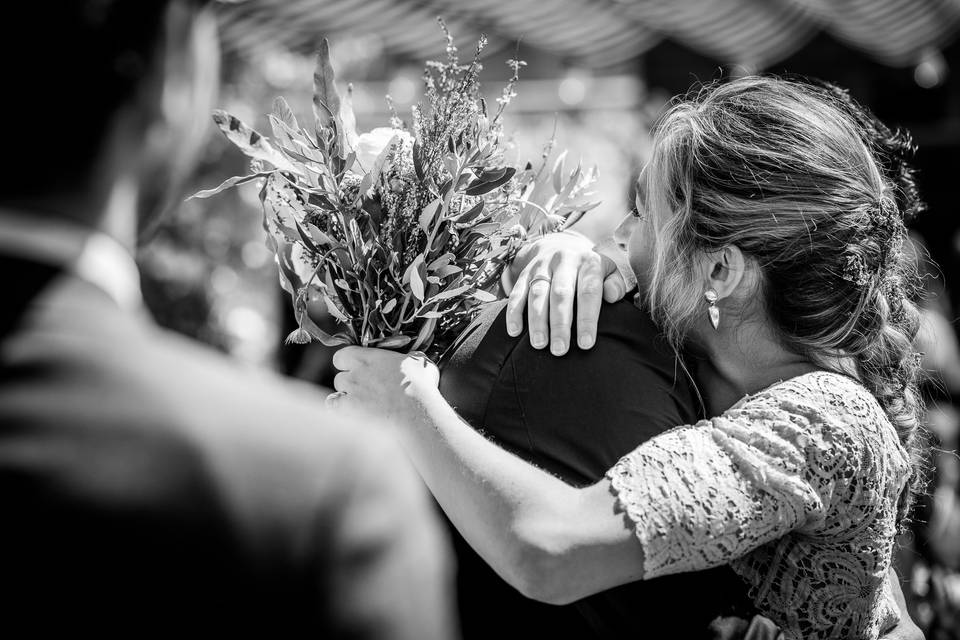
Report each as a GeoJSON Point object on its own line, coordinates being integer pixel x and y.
{"type": "Point", "coordinates": [796, 487]}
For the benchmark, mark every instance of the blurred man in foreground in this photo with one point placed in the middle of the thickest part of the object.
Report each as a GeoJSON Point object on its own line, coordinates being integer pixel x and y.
{"type": "Point", "coordinates": [150, 486]}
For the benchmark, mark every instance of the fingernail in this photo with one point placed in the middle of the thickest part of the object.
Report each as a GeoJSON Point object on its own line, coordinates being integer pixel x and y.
{"type": "Point", "coordinates": [558, 347]}
{"type": "Point", "coordinates": [538, 340]}
{"type": "Point", "coordinates": [585, 341]}
{"type": "Point", "coordinates": [513, 329]}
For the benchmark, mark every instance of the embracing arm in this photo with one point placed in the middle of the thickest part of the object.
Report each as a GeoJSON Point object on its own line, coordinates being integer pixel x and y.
{"type": "Point", "coordinates": [697, 496]}
{"type": "Point", "coordinates": [550, 541]}
{"type": "Point", "coordinates": [680, 490]}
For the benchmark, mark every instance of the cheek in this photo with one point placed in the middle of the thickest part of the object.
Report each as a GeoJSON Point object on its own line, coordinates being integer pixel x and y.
{"type": "Point", "coordinates": [640, 253]}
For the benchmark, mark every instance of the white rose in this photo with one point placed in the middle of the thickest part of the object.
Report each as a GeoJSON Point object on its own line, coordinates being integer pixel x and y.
{"type": "Point", "coordinates": [371, 144]}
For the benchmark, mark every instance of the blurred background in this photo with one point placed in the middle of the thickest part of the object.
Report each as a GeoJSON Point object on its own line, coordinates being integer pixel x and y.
{"type": "Point", "coordinates": [599, 73]}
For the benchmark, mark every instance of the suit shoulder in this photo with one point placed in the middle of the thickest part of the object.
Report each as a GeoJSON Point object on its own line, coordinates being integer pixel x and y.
{"type": "Point", "coordinates": [628, 344]}
{"type": "Point", "coordinates": [189, 413]}
{"type": "Point", "coordinates": [262, 404]}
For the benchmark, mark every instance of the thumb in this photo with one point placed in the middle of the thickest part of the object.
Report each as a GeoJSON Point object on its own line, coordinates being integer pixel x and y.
{"type": "Point", "coordinates": [614, 286]}
{"type": "Point", "coordinates": [614, 289]}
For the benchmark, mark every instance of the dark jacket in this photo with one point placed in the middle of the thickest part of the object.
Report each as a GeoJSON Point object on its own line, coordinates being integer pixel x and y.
{"type": "Point", "coordinates": [152, 487]}
{"type": "Point", "coordinates": [575, 416]}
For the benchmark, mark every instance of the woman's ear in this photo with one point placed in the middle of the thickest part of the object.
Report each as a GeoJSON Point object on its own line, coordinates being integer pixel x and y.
{"type": "Point", "coordinates": [725, 270]}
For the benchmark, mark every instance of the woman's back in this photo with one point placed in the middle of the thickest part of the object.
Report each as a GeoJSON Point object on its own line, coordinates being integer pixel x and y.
{"type": "Point", "coordinates": [796, 486]}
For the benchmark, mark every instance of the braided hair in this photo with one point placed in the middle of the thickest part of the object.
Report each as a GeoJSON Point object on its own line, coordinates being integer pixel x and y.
{"type": "Point", "coordinates": [814, 189]}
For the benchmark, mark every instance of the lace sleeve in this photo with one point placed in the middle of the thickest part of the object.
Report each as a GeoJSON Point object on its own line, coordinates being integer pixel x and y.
{"type": "Point", "coordinates": [705, 494]}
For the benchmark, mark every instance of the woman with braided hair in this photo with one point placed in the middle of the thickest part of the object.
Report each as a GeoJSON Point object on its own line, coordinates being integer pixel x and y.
{"type": "Point", "coordinates": [766, 244]}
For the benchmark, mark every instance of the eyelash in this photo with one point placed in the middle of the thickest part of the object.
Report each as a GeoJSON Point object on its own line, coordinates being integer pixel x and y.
{"type": "Point", "coordinates": [636, 214]}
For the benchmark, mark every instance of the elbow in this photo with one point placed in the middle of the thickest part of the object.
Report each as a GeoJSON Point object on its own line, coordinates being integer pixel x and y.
{"type": "Point", "coordinates": [542, 567]}
{"type": "Point", "coordinates": [540, 577]}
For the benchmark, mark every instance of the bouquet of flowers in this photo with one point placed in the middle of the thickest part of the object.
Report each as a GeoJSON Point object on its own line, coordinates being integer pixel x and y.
{"type": "Point", "coordinates": [401, 233]}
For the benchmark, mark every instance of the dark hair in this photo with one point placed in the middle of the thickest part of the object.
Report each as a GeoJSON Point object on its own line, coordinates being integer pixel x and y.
{"type": "Point", "coordinates": [815, 189]}
{"type": "Point", "coordinates": [79, 62]}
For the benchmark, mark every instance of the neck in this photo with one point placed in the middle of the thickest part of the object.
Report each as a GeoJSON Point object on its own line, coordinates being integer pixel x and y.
{"type": "Point", "coordinates": [742, 361]}
{"type": "Point", "coordinates": [120, 213]}
{"type": "Point", "coordinates": [113, 212]}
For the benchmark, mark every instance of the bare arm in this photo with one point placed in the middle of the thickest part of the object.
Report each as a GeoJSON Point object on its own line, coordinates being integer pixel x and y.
{"type": "Point", "coordinates": [550, 541]}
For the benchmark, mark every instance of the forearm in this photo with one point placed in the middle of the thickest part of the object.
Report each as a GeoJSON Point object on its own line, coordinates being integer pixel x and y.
{"type": "Point", "coordinates": [505, 508]}
{"type": "Point", "coordinates": [551, 541]}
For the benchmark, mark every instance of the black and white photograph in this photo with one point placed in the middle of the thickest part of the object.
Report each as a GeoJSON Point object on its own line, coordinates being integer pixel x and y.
{"type": "Point", "coordinates": [480, 319]}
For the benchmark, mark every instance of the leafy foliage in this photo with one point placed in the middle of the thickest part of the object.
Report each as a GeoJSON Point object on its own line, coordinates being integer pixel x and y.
{"type": "Point", "coordinates": [402, 234]}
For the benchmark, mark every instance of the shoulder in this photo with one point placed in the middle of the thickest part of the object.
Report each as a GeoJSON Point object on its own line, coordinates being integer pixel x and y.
{"type": "Point", "coordinates": [582, 411]}
{"type": "Point", "coordinates": [823, 425]}
{"type": "Point", "coordinates": [630, 365]}
{"type": "Point", "coordinates": [820, 400]}
{"type": "Point", "coordinates": [628, 345]}
{"type": "Point", "coordinates": [247, 419]}
{"type": "Point", "coordinates": [621, 324]}
{"type": "Point", "coordinates": [630, 361]}
{"type": "Point", "coordinates": [182, 423]}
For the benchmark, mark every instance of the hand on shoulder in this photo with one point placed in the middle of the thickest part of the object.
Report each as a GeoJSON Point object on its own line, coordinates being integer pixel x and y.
{"type": "Point", "coordinates": [554, 273]}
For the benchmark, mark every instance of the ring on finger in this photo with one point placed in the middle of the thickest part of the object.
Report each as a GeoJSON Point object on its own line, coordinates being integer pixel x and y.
{"type": "Point", "coordinates": [539, 278]}
{"type": "Point", "coordinates": [333, 397]}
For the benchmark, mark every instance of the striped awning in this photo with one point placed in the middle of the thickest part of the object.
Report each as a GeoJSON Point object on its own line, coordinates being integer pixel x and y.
{"type": "Point", "coordinates": [602, 33]}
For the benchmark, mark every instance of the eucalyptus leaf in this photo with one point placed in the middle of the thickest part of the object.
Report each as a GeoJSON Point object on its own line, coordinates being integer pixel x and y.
{"type": "Point", "coordinates": [392, 342]}
{"type": "Point", "coordinates": [229, 182]}
{"type": "Point", "coordinates": [366, 184]}
{"type": "Point", "coordinates": [449, 293]}
{"type": "Point", "coordinates": [381, 160]}
{"type": "Point", "coordinates": [452, 164]}
{"type": "Point", "coordinates": [326, 99]}
{"type": "Point", "coordinates": [334, 310]}
{"type": "Point", "coordinates": [416, 280]}
{"type": "Point", "coordinates": [410, 269]}
{"type": "Point", "coordinates": [448, 270]}
{"type": "Point", "coordinates": [389, 306]}
{"type": "Point", "coordinates": [570, 185]}
{"type": "Point", "coordinates": [348, 123]}
{"type": "Point", "coordinates": [471, 213]}
{"type": "Point", "coordinates": [480, 187]}
{"type": "Point", "coordinates": [558, 172]}
{"type": "Point", "coordinates": [485, 228]}
{"type": "Point", "coordinates": [284, 124]}
{"type": "Point", "coordinates": [283, 113]}
{"type": "Point", "coordinates": [492, 175]}
{"type": "Point", "coordinates": [252, 143]}
{"type": "Point", "coordinates": [306, 238]}
{"type": "Point", "coordinates": [483, 296]}
{"type": "Point", "coordinates": [428, 214]}
{"type": "Point", "coordinates": [442, 261]}
{"type": "Point", "coordinates": [321, 238]}
{"type": "Point", "coordinates": [425, 335]}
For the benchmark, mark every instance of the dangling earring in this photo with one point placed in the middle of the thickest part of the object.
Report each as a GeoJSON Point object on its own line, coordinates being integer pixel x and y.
{"type": "Point", "coordinates": [710, 295]}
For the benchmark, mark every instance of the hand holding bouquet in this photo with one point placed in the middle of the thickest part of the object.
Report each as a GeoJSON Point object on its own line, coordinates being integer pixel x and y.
{"type": "Point", "coordinates": [402, 234]}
